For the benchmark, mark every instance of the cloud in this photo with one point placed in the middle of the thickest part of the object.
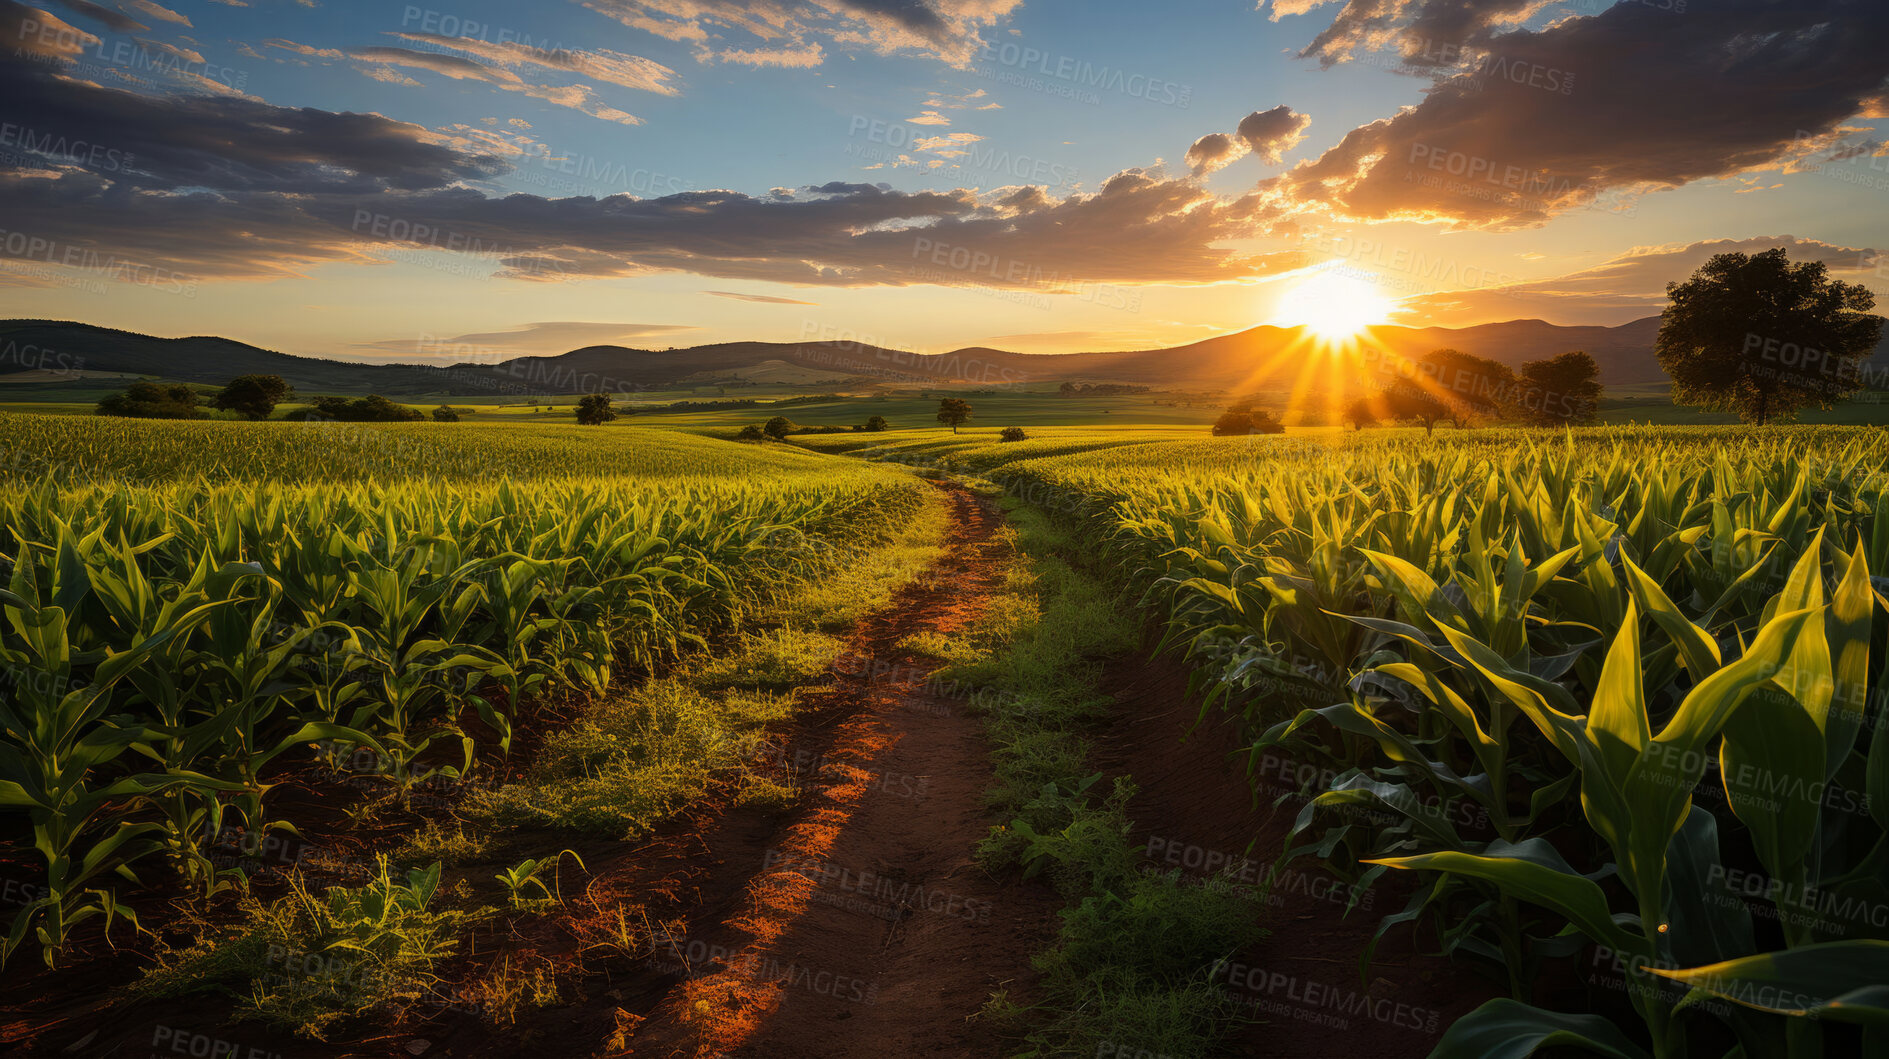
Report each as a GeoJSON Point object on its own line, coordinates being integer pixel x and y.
{"type": "Point", "coordinates": [576, 97]}
{"type": "Point", "coordinates": [1265, 133]}
{"type": "Point", "coordinates": [162, 14]}
{"type": "Point", "coordinates": [612, 67]}
{"type": "Point", "coordinates": [1271, 133]}
{"type": "Point", "coordinates": [228, 188]}
{"type": "Point", "coordinates": [793, 31]}
{"type": "Point", "coordinates": [1418, 27]}
{"type": "Point", "coordinates": [557, 336]}
{"type": "Point", "coordinates": [1631, 98]}
{"type": "Point", "coordinates": [1212, 152]}
{"type": "Point", "coordinates": [1628, 287]}
{"type": "Point", "coordinates": [116, 21]}
{"type": "Point", "coordinates": [767, 299]}
{"type": "Point", "coordinates": [225, 144]}
{"type": "Point", "coordinates": [801, 56]}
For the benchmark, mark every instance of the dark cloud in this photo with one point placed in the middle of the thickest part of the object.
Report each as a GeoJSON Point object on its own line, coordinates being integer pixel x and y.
{"type": "Point", "coordinates": [1635, 97]}
{"type": "Point", "coordinates": [214, 143]}
{"type": "Point", "coordinates": [220, 187]}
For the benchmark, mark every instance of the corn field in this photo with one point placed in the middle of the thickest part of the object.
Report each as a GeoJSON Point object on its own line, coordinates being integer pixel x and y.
{"type": "Point", "coordinates": [1618, 688]}
{"type": "Point", "coordinates": [188, 606]}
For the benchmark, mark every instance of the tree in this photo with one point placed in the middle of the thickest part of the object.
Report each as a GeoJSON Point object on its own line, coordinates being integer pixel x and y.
{"type": "Point", "coordinates": [1558, 391]}
{"type": "Point", "coordinates": [1361, 413]}
{"type": "Point", "coordinates": [1466, 385]}
{"type": "Point", "coordinates": [778, 427]}
{"type": "Point", "coordinates": [1241, 418]}
{"type": "Point", "coordinates": [1761, 336]}
{"type": "Point", "coordinates": [1406, 400]}
{"type": "Point", "coordinates": [370, 409]}
{"type": "Point", "coordinates": [1013, 434]}
{"type": "Point", "coordinates": [151, 400]}
{"type": "Point", "coordinates": [876, 424]}
{"type": "Point", "coordinates": [953, 412]}
{"type": "Point", "coordinates": [253, 396]}
{"type": "Point", "coordinates": [751, 432]}
{"type": "Point", "coordinates": [595, 410]}
{"type": "Point", "coordinates": [445, 414]}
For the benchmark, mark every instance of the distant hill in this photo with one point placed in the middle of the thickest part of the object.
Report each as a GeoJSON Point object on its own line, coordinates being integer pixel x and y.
{"type": "Point", "coordinates": [1259, 358]}
{"type": "Point", "coordinates": [202, 359]}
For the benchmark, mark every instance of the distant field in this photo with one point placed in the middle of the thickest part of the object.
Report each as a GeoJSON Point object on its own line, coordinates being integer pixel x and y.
{"type": "Point", "coordinates": [916, 408]}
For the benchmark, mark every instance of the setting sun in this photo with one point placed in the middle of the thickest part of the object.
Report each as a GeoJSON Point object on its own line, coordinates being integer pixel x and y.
{"type": "Point", "coordinates": [1334, 306]}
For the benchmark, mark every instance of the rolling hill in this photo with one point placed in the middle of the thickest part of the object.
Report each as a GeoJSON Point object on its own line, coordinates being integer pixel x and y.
{"type": "Point", "coordinates": [1258, 358]}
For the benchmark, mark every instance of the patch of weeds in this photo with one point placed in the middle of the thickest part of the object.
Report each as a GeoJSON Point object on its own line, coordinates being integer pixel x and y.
{"type": "Point", "coordinates": [632, 760]}
{"type": "Point", "coordinates": [777, 660]}
{"type": "Point", "coordinates": [934, 644]}
{"type": "Point", "coordinates": [507, 988]}
{"type": "Point", "coordinates": [759, 792]}
{"type": "Point", "coordinates": [446, 842]}
{"type": "Point", "coordinates": [308, 962]}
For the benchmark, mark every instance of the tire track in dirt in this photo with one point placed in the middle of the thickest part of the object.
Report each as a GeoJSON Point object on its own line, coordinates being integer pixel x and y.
{"type": "Point", "coordinates": [863, 927]}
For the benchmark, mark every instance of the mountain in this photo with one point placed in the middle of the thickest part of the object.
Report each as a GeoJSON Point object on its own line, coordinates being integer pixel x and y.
{"type": "Point", "coordinates": [1255, 359]}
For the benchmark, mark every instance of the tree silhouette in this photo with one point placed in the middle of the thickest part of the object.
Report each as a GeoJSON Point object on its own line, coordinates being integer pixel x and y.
{"type": "Point", "coordinates": [1557, 391]}
{"type": "Point", "coordinates": [953, 412]}
{"type": "Point", "coordinates": [595, 410]}
{"type": "Point", "coordinates": [253, 396]}
{"type": "Point", "coordinates": [1761, 336]}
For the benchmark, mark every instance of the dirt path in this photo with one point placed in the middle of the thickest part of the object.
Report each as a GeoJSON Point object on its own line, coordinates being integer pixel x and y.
{"type": "Point", "coordinates": [860, 925]}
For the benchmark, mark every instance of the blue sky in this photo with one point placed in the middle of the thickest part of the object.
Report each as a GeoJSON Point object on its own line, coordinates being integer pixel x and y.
{"type": "Point", "coordinates": [919, 173]}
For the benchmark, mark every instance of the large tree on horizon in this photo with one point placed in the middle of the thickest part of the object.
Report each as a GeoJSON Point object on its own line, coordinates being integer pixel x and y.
{"type": "Point", "coordinates": [254, 396]}
{"type": "Point", "coordinates": [1763, 336]}
{"type": "Point", "coordinates": [1558, 391]}
{"type": "Point", "coordinates": [953, 411]}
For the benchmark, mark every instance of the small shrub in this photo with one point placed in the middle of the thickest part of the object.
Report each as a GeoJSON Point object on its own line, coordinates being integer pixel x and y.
{"type": "Point", "coordinates": [1014, 434]}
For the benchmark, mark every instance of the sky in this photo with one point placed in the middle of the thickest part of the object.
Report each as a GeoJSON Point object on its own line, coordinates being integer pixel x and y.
{"type": "Point", "coordinates": [478, 180]}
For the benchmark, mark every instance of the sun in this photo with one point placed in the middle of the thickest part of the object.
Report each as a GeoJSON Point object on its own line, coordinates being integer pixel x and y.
{"type": "Point", "coordinates": [1335, 307]}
